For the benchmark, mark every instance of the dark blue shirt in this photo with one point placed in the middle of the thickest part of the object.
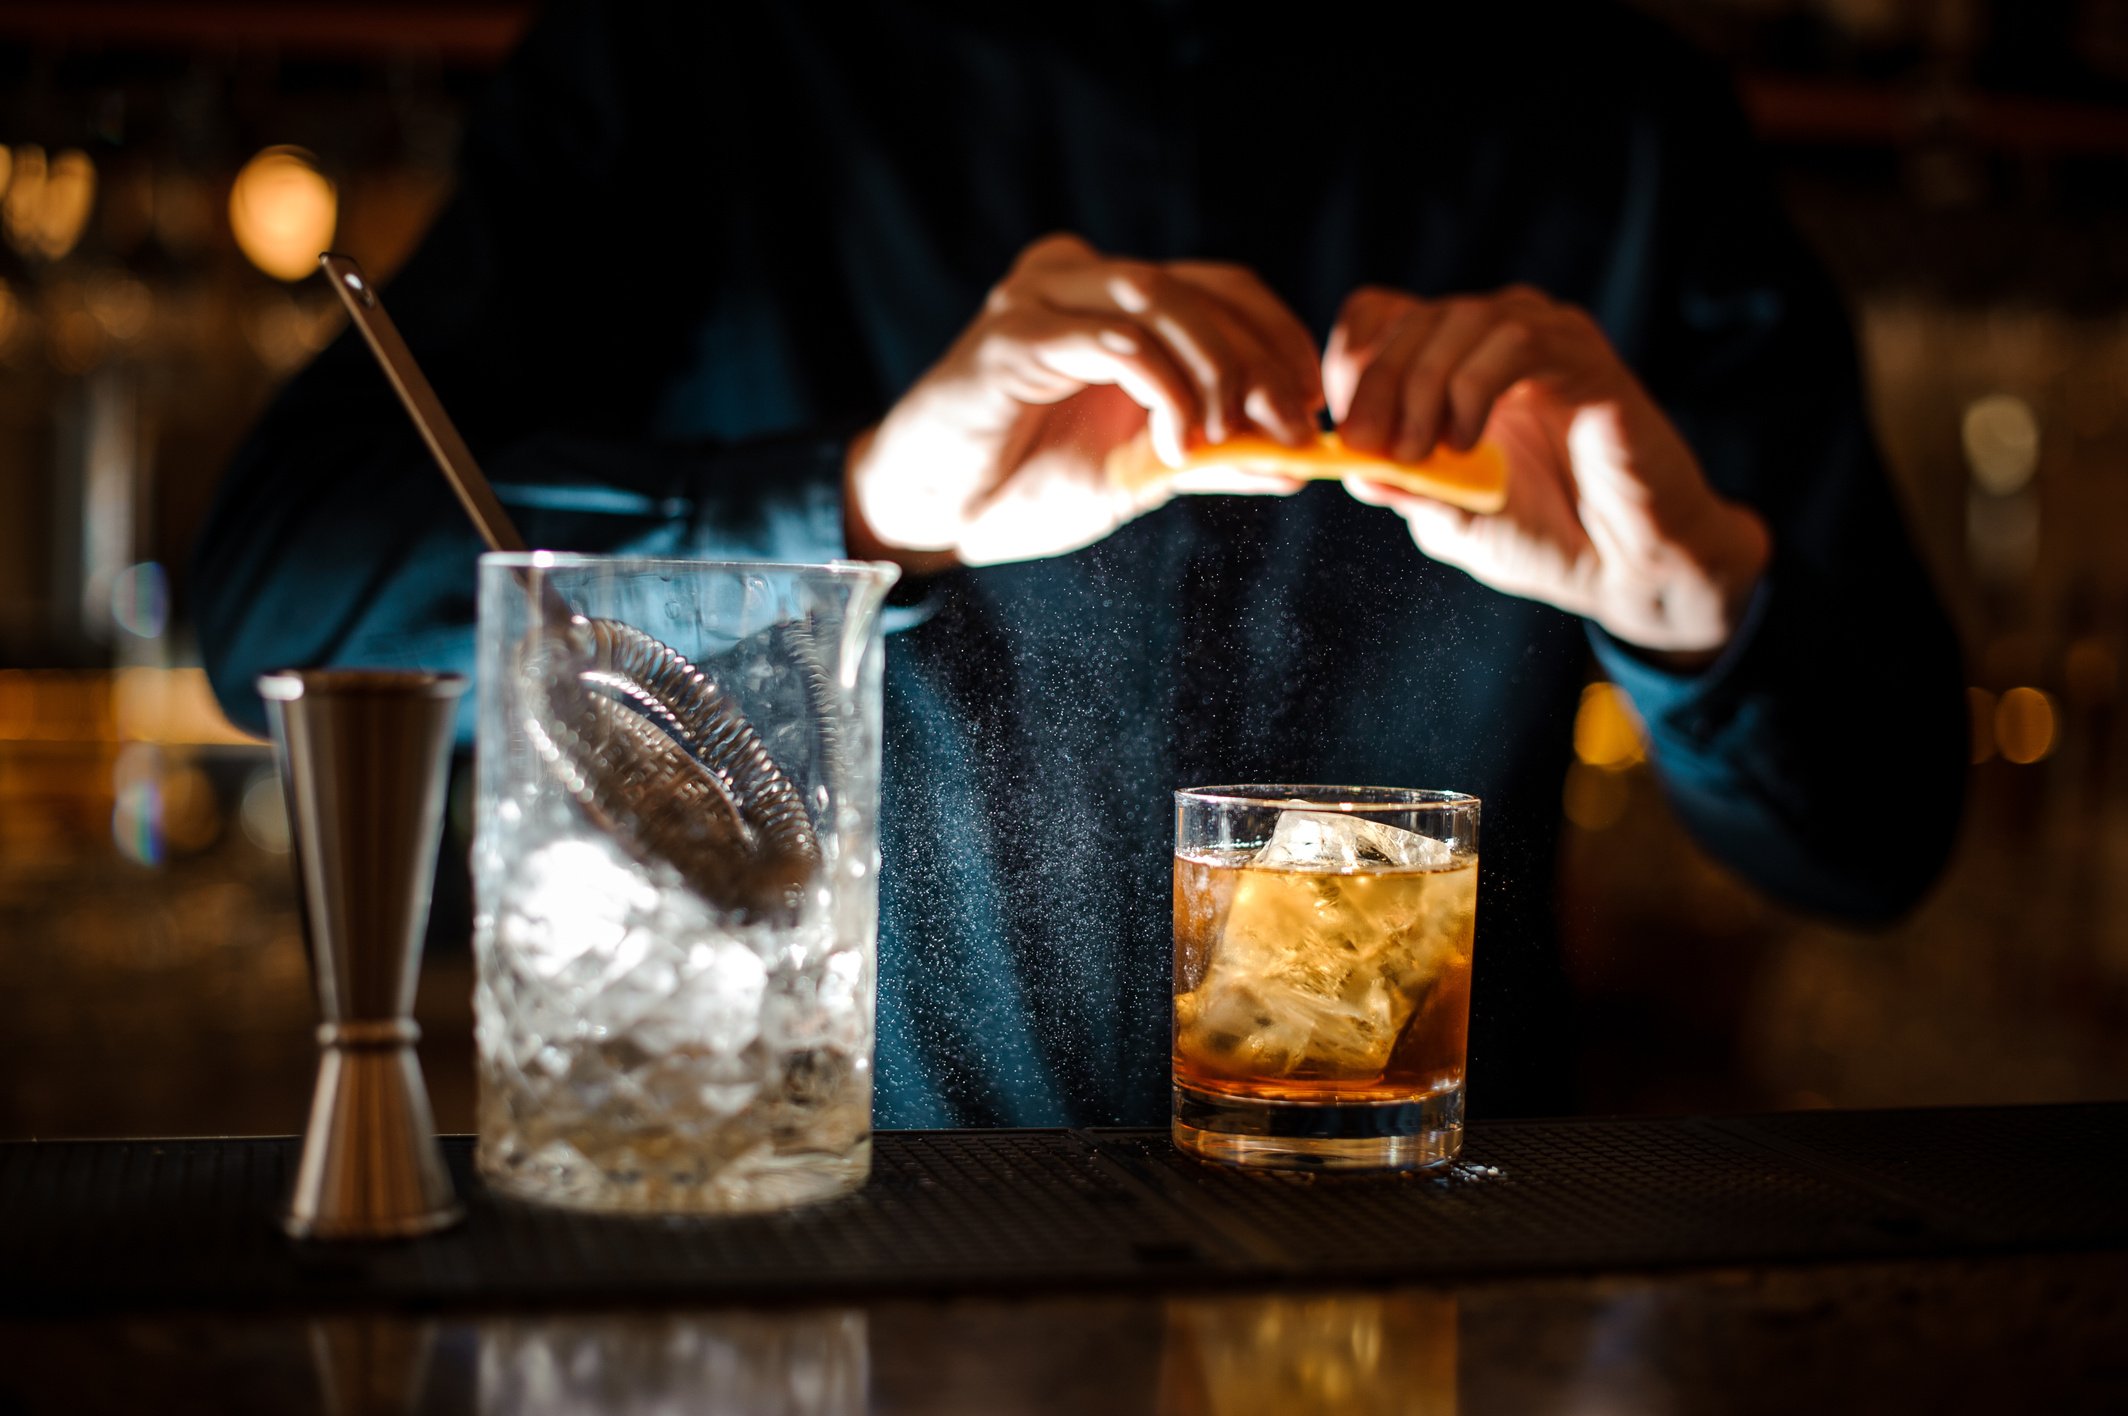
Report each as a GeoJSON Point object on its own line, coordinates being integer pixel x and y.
{"type": "Point", "coordinates": [694, 246]}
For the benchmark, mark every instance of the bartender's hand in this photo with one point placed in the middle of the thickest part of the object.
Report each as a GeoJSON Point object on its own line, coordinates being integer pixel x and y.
{"type": "Point", "coordinates": [1608, 514]}
{"type": "Point", "coordinates": [998, 452]}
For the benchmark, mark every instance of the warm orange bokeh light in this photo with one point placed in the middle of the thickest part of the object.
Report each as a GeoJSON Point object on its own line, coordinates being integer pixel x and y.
{"type": "Point", "coordinates": [1607, 732]}
{"type": "Point", "coordinates": [283, 211]}
{"type": "Point", "coordinates": [47, 203]}
{"type": "Point", "coordinates": [2025, 725]}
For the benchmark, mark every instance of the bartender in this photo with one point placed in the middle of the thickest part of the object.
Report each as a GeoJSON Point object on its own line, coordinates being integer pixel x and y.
{"type": "Point", "coordinates": [890, 279]}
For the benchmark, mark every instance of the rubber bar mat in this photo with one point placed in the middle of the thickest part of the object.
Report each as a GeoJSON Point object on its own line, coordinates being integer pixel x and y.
{"type": "Point", "coordinates": [105, 1225]}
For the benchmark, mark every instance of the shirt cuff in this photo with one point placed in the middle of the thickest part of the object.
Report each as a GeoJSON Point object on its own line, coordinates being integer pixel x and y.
{"type": "Point", "coordinates": [1695, 705]}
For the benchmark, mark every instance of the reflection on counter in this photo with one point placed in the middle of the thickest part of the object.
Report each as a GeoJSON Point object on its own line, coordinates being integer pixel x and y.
{"type": "Point", "coordinates": [1372, 1354]}
{"type": "Point", "coordinates": [797, 1363]}
{"type": "Point", "coordinates": [2008, 1334]}
{"type": "Point", "coordinates": [370, 1365]}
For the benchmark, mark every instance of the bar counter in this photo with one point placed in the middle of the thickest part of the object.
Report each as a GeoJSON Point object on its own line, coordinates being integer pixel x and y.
{"type": "Point", "coordinates": [1948, 1260]}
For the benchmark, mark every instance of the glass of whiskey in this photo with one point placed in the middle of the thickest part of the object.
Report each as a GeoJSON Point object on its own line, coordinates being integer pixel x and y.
{"type": "Point", "coordinates": [1322, 974]}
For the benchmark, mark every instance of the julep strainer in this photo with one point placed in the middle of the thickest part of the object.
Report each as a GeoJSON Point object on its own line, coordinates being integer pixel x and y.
{"type": "Point", "coordinates": [653, 750]}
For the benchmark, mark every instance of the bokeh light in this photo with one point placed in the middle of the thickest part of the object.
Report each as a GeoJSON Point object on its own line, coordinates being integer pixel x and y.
{"type": "Point", "coordinates": [263, 813]}
{"type": "Point", "coordinates": [122, 305]}
{"type": "Point", "coordinates": [192, 819]}
{"type": "Point", "coordinates": [2025, 725]}
{"type": "Point", "coordinates": [283, 211]}
{"type": "Point", "coordinates": [284, 331]}
{"type": "Point", "coordinates": [1607, 732]}
{"type": "Point", "coordinates": [48, 201]}
{"type": "Point", "coordinates": [160, 805]}
{"type": "Point", "coordinates": [137, 804]}
{"type": "Point", "coordinates": [2001, 436]}
{"type": "Point", "coordinates": [140, 600]}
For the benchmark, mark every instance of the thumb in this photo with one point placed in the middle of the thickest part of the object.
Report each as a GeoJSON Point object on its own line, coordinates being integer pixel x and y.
{"type": "Point", "coordinates": [1440, 530]}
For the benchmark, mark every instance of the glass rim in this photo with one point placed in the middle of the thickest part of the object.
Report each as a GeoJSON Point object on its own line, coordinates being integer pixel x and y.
{"type": "Point", "coordinates": [1298, 796]}
{"type": "Point", "coordinates": [289, 685]}
{"type": "Point", "coordinates": [577, 560]}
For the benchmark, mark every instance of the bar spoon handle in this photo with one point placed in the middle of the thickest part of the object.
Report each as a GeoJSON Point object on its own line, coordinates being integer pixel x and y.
{"type": "Point", "coordinates": [353, 287]}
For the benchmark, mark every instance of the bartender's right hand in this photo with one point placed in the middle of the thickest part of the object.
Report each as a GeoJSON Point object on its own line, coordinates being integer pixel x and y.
{"type": "Point", "coordinates": [998, 452]}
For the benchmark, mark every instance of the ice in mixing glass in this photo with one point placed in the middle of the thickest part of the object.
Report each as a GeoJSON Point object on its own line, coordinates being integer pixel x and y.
{"type": "Point", "coordinates": [642, 1047]}
{"type": "Point", "coordinates": [1323, 941]}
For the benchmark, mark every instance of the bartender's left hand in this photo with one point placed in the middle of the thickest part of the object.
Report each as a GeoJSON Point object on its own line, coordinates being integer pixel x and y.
{"type": "Point", "coordinates": [1608, 514]}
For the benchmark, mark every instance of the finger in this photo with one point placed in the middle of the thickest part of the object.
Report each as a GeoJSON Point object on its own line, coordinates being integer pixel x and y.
{"type": "Point", "coordinates": [1058, 248]}
{"type": "Point", "coordinates": [1370, 420]}
{"type": "Point", "coordinates": [1055, 251]}
{"type": "Point", "coordinates": [1271, 318]}
{"type": "Point", "coordinates": [1211, 347]}
{"type": "Point", "coordinates": [1369, 315]}
{"type": "Point", "coordinates": [1525, 299]}
{"type": "Point", "coordinates": [1510, 352]}
{"type": "Point", "coordinates": [1423, 398]}
{"type": "Point", "coordinates": [1233, 481]}
{"type": "Point", "coordinates": [1438, 529]}
{"type": "Point", "coordinates": [1045, 357]}
{"type": "Point", "coordinates": [1375, 493]}
{"type": "Point", "coordinates": [1292, 389]}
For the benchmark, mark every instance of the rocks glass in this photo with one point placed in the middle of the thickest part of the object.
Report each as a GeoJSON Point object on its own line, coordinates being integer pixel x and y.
{"type": "Point", "coordinates": [1322, 974]}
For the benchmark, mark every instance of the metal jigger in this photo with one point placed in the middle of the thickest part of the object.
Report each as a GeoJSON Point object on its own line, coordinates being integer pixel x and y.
{"type": "Point", "coordinates": [362, 758]}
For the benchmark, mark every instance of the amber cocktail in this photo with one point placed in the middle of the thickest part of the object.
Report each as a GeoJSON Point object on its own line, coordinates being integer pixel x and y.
{"type": "Point", "coordinates": [1322, 974]}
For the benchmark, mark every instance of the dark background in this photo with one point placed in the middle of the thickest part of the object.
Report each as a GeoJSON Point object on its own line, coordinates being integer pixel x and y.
{"type": "Point", "coordinates": [1962, 166]}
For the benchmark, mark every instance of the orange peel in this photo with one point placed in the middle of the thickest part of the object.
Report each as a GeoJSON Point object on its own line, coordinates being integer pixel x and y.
{"type": "Point", "coordinates": [1475, 480]}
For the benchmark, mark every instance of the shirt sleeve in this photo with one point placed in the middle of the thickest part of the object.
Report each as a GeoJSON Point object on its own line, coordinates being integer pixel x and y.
{"type": "Point", "coordinates": [1823, 755]}
{"type": "Point", "coordinates": [550, 305]}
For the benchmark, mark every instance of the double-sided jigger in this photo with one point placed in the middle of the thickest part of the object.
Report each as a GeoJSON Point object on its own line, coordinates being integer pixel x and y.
{"type": "Point", "coordinates": [363, 758]}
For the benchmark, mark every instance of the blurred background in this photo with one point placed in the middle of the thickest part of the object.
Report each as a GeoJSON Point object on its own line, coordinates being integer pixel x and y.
{"type": "Point", "coordinates": [170, 170]}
